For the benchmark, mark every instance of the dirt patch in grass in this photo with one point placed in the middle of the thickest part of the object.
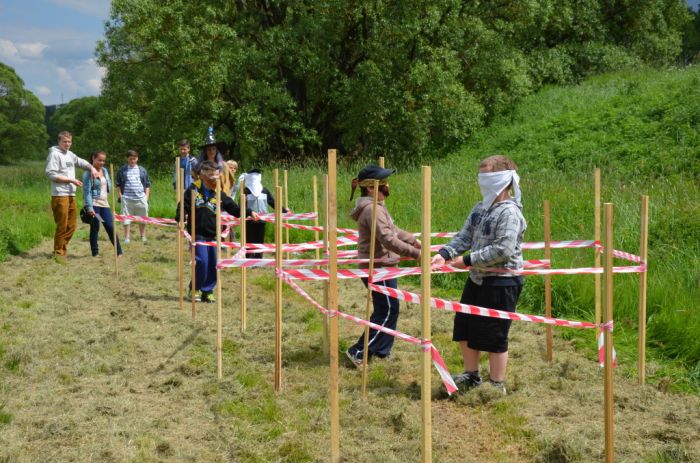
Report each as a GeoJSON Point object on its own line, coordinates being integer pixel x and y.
{"type": "Point", "coordinates": [98, 367]}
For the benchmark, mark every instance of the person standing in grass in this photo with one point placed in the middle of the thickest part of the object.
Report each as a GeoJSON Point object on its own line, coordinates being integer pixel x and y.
{"type": "Point", "coordinates": [134, 192]}
{"type": "Point", "coordinates": [213, 150]}
{"type": "Point", "coordinates": [95, 194]}
{"type": "Point", "coordinates": [390, 243]}
{"type": "Point", "coordinates": [187, 164]}
{"type": "Point", "coordinates": [493, 233]}
{"type": "Point", "coordinates": [60, 169]}
{"type": "Point", "coordinates": [205, 225]}
{"type": "Point", "coordinates": [258, 198]}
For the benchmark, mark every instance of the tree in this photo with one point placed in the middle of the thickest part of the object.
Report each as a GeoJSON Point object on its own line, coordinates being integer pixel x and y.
{"type": "Point", "coordinates": [409, 79]}
{"type": "Point", "coordinates": [22, 129]}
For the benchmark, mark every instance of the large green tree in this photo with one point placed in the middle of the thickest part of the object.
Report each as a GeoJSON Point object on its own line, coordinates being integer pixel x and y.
{"type": "Point", "coordinates": [22, 129]}
{"type": "Point", "coordinates": [407, 79]}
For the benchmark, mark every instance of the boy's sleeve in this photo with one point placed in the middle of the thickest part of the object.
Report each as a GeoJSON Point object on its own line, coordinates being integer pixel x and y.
{"type": "Point", "coordinates": [147, 178]}
{"type": "Point", "coordinates": [82, 163]}
{"type": "Point", "coordinates": [388, 236]}
{"type": "Point", "coordinates": [503, 246]}
{"type": "Point", "coordinates": [462, 241]}
{"type": "Point", "coordinates": [230, 206]}
{"type": "Point", "coordinates": [52, 166]}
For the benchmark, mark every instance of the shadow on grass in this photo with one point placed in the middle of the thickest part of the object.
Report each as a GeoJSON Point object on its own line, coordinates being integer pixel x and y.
{"type": "Point", "coordinates": [186, 342]}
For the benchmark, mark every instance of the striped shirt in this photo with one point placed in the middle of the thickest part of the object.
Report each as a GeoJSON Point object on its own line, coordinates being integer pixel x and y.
{"type": "Point", "coordinates": [133, 189]}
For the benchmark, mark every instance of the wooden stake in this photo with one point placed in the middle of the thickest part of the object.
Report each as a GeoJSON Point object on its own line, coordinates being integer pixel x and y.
{"type": "Point", "coordinates": [643, 252]}
{"type": "Point", "coordinates": [333, 306]}
{"type": "Point", "coordinates": [318, 251]}
{"type": "Point", "coordinates": [276, 174]}
{"type": "Point", "coordinates": [115, 236]}
{"type": "Point", "coordinates": [548, 279]}
{"type": "Point", "coordinates": [219, 308]}
{"type": "Point", "coordinates": [381, 161]}
{"type": "Point", "coordinates": [426, 389]}
{"type": "Point", "coordinates": [596, 232]}
{"type": "Point", "coordinates": [372, 248]}
{"type": "Point", "coordinates": [180, 257]}
{"type": "Point", "coordinates": [326, 342]}
{"type": "Point", "coordinates": [608, 336]}
{"type": "Point", "coordinates": [244, 270]}
{"type": "Point", "coordinates": [286, 205]}
{"type": "Point", "coordinates": [278, 295]}
{"type": "Point", "coordinates": [193, 254]}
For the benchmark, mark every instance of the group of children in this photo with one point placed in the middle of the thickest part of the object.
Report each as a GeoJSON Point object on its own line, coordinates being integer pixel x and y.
{"type": "Point", "coordinates": [489, 243]}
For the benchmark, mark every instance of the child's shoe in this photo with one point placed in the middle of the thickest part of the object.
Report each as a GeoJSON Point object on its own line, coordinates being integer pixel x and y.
{"type": "Point", "coordinates": [354, 359]}
{"type": "Point", "coordinates": [208, 298]}
{"type": "Point", "coordinates": [127, 241]}
{"type": "Point", "coordinates": [498, 385]}
{"type": "Point", "coordinates": [144, 239]}
{"type": "Point", "coordinates": [467, 380]}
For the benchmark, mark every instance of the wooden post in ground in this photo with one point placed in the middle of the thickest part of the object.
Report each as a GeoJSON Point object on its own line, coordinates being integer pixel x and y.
{"type": "Point", "coordinates": [219, 308]}
{"type": "Point", "coordinates": [318, 251]}
{"type": "Point", "coordinates": [643, 252]}
{"type": "Point", "coordinates": [244, 270]}
{"type": "Point", "coordinates": [326, 342]}
{"type": "Point", "coordinates": [332, 233]}
{"type": "Point", "coordinates": [193, 254]}
{"type": "Point", "coordinates": [114, 222]}
{"type": "Point", "coordinates": [426, 390]}
{"type": "Point", "coordinates": [596, 234]}
{"type": "Point", "coordinates": [370, 270]}
{"type": "Point", "coordinates": [278, 294]}
{"type": "Point", "coordinates": [180, 257]}
{"type": "Point", "coordinates": [548, 279]}
{"type": "Point", "coordinates": [381, 161]}
{"type": "Point", "coordinates": [607, 334]}
{"type": "Point", "coordinates": [286, 206]}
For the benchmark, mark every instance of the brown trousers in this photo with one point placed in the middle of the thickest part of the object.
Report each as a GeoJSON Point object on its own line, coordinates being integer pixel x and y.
{"type": "Point", "coordinates": [65, 215]}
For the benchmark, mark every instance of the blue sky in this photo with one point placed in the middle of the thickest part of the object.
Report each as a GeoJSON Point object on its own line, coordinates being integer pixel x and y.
{"type": "Point", "coordinates": [51, 45]}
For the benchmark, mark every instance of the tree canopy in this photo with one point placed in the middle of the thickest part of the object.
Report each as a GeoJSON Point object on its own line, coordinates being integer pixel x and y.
{"type": "Point", "coordinates": [407, 79]}
{"type": "Point", "coordinates": [22, 130]}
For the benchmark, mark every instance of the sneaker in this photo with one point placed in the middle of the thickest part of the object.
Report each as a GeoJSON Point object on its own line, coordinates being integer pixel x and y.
{"type": "Point", "coordinates": [144, 239]}
{"type": "Point", "coordinates": [207, 298]}
{"type": "Point", "coordinates": [127, 241]}
{"type": "Point", "coordinates": [498, 385]}
{"type": "Point", "coordinates": [59, 259]}
{"type": "Point", "coordinates": [355, 361]}
{"type": "Point", "coordinates": [465, 381]}
{"type": "Point", "coordinates": [197, 296]}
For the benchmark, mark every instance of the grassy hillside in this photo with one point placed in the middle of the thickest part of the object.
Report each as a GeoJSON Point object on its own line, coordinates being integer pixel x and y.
{"type": "Point", "coordinates": [641, 128]}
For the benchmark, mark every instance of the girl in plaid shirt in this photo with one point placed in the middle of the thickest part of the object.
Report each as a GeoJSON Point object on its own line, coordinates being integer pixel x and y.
{"type": "Point", "coordinates": [493, 233]}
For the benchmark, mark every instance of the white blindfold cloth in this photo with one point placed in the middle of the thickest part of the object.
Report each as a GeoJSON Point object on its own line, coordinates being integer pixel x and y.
{"type": "Point", "coordinates": [492, 184]}
{"type": "Point", "coordinates": [253, 182]}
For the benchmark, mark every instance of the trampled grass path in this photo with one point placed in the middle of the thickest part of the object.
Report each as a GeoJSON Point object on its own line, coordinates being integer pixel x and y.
{"type": "Point", "coordinates": [95, 368]}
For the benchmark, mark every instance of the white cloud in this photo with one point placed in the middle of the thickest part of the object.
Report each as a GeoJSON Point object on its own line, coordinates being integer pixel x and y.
{"type": "Point", "coordinates": [31, 50]}
{"type": "Point", "coordinates": [18, 51]}
{"type": "Point", "coordinates": [8, 50]}
{"type": "Point", "coordinates": [42, 90]}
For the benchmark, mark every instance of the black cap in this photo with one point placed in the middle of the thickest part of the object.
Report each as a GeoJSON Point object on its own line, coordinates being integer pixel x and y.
{"type": "Point", "coordinates": [254, 171]}
{"type": "Point", "coordinates": [372, 172]}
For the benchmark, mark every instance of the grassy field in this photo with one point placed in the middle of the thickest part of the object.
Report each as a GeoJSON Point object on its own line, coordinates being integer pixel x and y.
{"type": "Point", "coordinates": [94, 368]}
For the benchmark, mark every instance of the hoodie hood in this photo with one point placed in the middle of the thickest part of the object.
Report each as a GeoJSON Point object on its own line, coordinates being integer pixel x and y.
{"type": "Point", "coordinates": [360, 204]}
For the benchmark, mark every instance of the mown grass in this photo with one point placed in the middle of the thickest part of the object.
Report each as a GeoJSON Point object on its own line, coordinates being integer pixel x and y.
{"type": "Point", "coordinates": [641, 129]}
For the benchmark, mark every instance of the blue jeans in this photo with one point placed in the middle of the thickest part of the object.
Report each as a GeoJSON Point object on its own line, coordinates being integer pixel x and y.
{"type": "Point", "coordinates": [106, 214]}
{"type": "Point", "coordinates": [205, 266]}
{"type": "Point", "coordinates": [386, 314]}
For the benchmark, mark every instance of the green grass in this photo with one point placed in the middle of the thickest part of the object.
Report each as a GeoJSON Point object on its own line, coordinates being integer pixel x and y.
{"type": "Point", "coordinates": [642, 129]}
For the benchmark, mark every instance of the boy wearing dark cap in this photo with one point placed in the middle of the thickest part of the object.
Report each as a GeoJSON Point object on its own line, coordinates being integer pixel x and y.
{"type": "Point", "coordinates": [391, 243]}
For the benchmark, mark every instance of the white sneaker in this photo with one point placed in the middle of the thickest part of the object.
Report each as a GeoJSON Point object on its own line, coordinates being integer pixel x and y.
{"type": "Point", "coordinates": [127, 241]}
{"type": "Point", "coordinates": [144, 239]}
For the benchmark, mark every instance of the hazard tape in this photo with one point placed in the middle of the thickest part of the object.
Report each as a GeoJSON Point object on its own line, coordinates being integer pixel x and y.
{"type": "Point", "coordinates": [444, 304]}
{"type": "Point", "coordinates": [143, 219]}
{"type": "Point", "coordinates": [425, 344]}
{"type": "Point", "coordinates": [243, 262]}
{"type": "Point", "coordinates": [601, 345]}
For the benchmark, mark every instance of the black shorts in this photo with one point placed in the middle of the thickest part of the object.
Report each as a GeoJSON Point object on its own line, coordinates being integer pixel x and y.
{"type": "Point", "coordinates": [486, 333]}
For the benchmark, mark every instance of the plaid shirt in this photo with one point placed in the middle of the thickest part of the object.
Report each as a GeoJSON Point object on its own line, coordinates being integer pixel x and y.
{"type": "Point", "coordinates": [494, 237]}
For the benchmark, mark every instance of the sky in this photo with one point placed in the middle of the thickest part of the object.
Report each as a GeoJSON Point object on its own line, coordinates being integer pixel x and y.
{"type": "Point", "coordinates": [51, 45]}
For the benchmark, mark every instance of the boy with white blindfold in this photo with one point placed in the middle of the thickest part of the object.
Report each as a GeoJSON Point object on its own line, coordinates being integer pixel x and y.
{"type": "Point", "coordinates": [493, 232]}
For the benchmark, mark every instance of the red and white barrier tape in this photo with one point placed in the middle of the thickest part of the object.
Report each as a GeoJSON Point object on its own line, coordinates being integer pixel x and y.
{"type": "Point", "coordinates": [601, 345]}
{"type": "Point", "coordinates": [476, 310]}
{"type": "Point", "coordinates": [143, 219]}
{"type": "Point", "coordinates": [425, 344]}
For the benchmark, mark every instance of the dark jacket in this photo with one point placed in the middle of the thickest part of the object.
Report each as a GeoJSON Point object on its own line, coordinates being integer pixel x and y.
{"type": "Point", "coordinates": [121, 177]}
{"type": "Point", "coordinates": [205, 210]}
